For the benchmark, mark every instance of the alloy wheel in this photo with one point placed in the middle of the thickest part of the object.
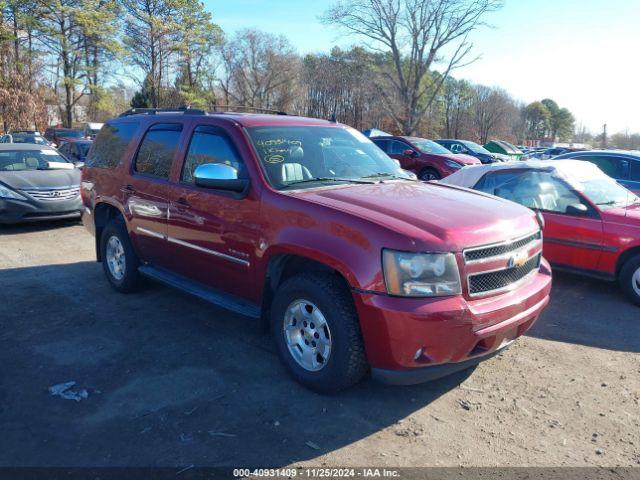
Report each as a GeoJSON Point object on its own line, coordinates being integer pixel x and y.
{"type": "Point", "coordinates": [115, 258]}
{"type": "Point", "coordinates": [307, 335]}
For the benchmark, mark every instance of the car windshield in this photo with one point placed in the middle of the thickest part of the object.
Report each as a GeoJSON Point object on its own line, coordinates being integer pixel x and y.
{"type": "Point", "coordinates": [429, 146]}
{"type": "Point", "coordinates": [594, 184]}
{"type": "Point", "coordinates": [475, 148]}
{"type": "Point", "coordinates": [307, 157]}
{"type": "Point", "coordinates": [69, 133]}
{"type": "Point", "coordinates": [20, 160]}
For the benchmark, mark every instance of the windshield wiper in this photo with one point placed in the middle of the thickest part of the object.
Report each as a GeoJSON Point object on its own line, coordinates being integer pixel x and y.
{"type": "Point", "coordinates": [388, 175]}
{"type": "Point", "coordinates": [610, 202]}
{"type": "Point", "coordinates": [329, 179]}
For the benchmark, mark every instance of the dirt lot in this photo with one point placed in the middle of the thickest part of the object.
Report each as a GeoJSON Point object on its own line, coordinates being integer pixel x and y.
{"type": "Point", "coordinates": [172, 381]}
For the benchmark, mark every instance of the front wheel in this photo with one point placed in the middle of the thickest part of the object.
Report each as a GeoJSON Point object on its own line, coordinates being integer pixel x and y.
{"type": "Point", "coordinates": [429, 174]}
{"type": "Point", "coordinates": [317, 333]}
{"type": "Point", "coordinates": [630, 279]}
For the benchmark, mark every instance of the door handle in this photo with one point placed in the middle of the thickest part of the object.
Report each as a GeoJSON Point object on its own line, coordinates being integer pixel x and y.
{"type": "Point", "coordinates": [128, 189]}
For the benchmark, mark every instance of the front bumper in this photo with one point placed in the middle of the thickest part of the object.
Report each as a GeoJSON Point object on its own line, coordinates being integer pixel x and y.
{"type": "Point", "coordinates": [422, 339]}
{"type": "Point", "coordinates": [18, 211]}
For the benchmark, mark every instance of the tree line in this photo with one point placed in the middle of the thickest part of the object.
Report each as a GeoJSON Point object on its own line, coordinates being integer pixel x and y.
{"type": "Point", "coordinates": [398, 76]}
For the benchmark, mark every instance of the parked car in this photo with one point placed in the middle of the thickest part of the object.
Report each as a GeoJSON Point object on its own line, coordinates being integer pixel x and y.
{"type": "Point", "coordinates": [306, 224]}
{"type": "Point", "coordinates": [91, 129]}
{"type": "Point", "coordinates": [75, 150]}
{"type": "Point", "coordinates": [547, 153]}
{"type": "Point", "coordinates": [59, 135]}
{"type": "Point", "coordinates": [504, 148]}
{"type": "Point", "coordinates": [624, 166]}
{"type": "Point", "coordinates": [36, 183]}
{"type": "Point", "coordinates": [425, 158]}
{"type": "Point", "coordinates": [473, 149]}
{"type": "Point", "coordinates": [24, 137]}
{"type": "Point", "coordinates": [592, 224]}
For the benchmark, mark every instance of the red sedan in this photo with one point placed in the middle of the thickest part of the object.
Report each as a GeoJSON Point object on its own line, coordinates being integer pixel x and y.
{"type": "Point", "coordinates": [592, 223]}
{"type": "Point", "coordinates": [425, 158]}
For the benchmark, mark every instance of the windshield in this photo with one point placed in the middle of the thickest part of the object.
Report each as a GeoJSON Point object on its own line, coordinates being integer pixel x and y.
{"type": "Point", "coordinates": [601, 189]}
{"type": "Point", "coordinates": [19, 160]}
{"type": "Point", "coordinates": [429, 146]}
{"type": "Point", "coordinates": [312, 156]}
{"type": "Point", "coordinates": [69, 133]}
{"type": "Point", "coordinates": [475, 148]}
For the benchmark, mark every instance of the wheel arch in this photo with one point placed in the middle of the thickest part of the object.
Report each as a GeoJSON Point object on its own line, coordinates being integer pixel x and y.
{"type": "Point", "coordinates": [625, 256]}
{"type": "Point", "coordinates": [285, 264]}
{"type": "Point", "coordinates": [103, 213]}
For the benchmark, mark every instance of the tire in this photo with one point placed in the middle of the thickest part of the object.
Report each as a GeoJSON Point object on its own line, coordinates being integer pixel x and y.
{"type": "Point", "coordinates": [429, 174]}
{"type": "Point", "coordinates": [629, 279]}
{"type": "Point", "coordinates": [309, 294]}
{"type": "Point", "coordinates": [130, 279]}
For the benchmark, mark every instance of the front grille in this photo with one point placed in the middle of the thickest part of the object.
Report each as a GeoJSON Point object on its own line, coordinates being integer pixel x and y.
{"type": "Point", "coordinates": [53, 194]}
{"type": "Point", "coordinates": [481, 253]}
{"type": "Point", "coordinates": [498, 280]}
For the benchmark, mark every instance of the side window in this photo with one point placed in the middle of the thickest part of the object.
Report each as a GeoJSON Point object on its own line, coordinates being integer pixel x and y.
{"type": "Point", "coordinates": [634, 174]}
{"type": "Point", "coordinates": [157, 149]}
{"type": "Point", "coordinates": [383, 144]}
{"type": "Point", "coordinates": [398, 148]}
{"type": "Point", "coordinates": [533, 189]}
{"type": "Point", "coordinates": [209, 145]}
{"type": "Point", "coordinates": [612, 166]}
{"type": "Point", "coordinates": [110, 144]}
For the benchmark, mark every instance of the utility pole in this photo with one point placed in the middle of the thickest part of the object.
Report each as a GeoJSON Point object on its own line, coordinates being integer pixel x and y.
{"type": "Point", "coordinates": [604, 136]}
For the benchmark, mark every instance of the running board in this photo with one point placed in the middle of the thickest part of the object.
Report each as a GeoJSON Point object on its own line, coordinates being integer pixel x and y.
{"type": "Point", "coordinates": [208, 294]}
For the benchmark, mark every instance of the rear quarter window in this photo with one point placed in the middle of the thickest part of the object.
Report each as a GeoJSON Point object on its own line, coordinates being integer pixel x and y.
{"type": "Point", "coordinates": [110, 144]}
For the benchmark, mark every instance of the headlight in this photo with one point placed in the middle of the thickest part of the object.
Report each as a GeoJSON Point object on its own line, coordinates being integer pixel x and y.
{"type": "Point", "coordinates": [8, 193]}
{"type": "Point", "coordinates": [420, 274]}
{"type": "Point", "coordinates": [453, 164]}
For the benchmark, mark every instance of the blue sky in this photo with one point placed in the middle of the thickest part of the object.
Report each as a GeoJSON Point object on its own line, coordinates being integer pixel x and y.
{"type": "Point", "coordinates": [581, 53]}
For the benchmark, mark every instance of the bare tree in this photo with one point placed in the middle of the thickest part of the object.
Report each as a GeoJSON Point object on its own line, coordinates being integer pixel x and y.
{"type": "Point", "coordinates": [260, 70]}
{"type": "Point", "coordinates": [417, 35]}
{"type": "Point", "coordinates": [491, 107]}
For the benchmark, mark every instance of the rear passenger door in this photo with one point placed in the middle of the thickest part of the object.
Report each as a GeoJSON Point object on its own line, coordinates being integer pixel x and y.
{"type": "Point", "coordinates": [213, 234]}
{"type": "Point", "coordinates": [146, 194]}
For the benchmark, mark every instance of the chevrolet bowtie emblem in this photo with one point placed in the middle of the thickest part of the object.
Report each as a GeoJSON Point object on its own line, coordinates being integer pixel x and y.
{"type": "Point", "coordinates": [518, 260]}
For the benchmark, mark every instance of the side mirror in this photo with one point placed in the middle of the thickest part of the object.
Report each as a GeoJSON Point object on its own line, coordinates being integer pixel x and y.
{"type": "Point", "coordinates": [577, 209]}
{"type": "Point", "coordinates": [219, 176]}
{"type": "Point", "coordinates": [410, 153]}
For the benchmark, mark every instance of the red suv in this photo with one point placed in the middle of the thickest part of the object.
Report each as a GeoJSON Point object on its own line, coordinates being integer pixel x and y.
{"type": "Point", "coordinates": [306, 225]}
{"type": "Point", "coordinates": [425, 158]}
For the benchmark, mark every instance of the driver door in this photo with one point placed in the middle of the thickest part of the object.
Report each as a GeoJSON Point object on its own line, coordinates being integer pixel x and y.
{"type": "Point", "coordinates": [213, 233]}
{"type": "Point", "coordinates": [397, 151]}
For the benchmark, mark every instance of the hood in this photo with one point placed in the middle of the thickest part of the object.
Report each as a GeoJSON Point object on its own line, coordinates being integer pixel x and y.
{"type": "Point", "coordinates": [41, 178]}
{"type": "Point", "coordinates": [441, 217]}
{"type": "Point", "coordinates": [464, 158]}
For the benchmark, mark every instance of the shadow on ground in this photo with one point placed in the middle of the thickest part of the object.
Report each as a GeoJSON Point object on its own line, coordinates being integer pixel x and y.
{"type": "Point", "coordinates": [589, 312]}
{"type": "Point", "coordinates": [170, 381]}
{"type": "Point", "coordinates": [20, 228]}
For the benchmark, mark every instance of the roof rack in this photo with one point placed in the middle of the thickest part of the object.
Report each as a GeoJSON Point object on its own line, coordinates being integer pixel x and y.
{"type": "Point", "coordinates": [155, 111]}
{"type": "Point", "coordinates": [240, 108]}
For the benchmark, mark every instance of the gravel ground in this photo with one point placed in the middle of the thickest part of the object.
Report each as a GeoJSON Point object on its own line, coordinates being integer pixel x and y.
{"type": "Point", "coordinates": [172, 381]}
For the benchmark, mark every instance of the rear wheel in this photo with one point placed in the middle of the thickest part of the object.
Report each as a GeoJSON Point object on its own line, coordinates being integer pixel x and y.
{"type": "Point", "coordinates": [429, 174]}
{"type": "Point", "coordinates": [630, 279]}
{"type": "Point", "coordinates": [317, 333]}
{"type": "Point", "coordinates": [119, 262]}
